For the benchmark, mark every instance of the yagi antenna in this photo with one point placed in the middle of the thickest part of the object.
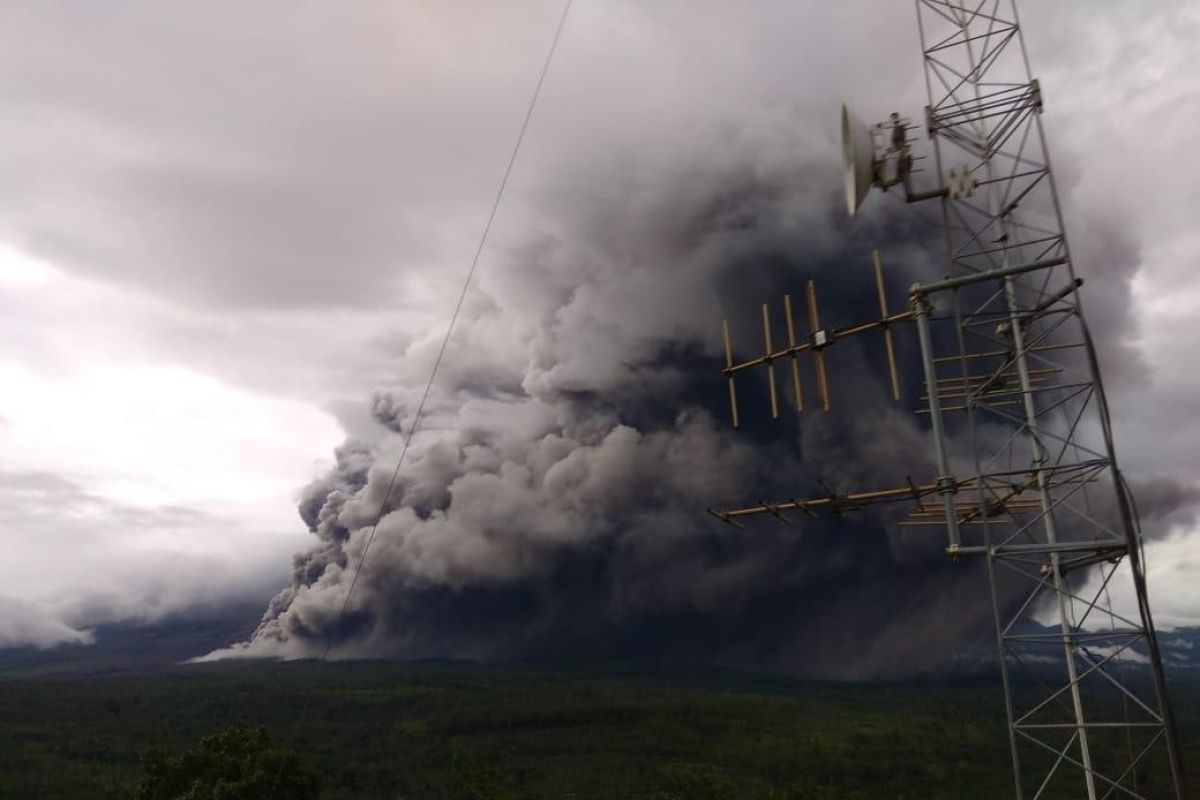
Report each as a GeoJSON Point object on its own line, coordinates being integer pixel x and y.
{"type": "Point", "coordinates": [819, 339]}
{"type": "Point", "coordinates": [791, 332]}
{"type": "Point", "coordinates": [887, 332]}
{"type": "Point", "coordinates": [733, 410]}
{"type": "Point", "coordinates": [766, 314]}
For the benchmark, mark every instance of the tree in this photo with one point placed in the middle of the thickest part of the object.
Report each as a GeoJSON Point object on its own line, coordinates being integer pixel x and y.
{"type": "Point", "coordinates": [240, 763]}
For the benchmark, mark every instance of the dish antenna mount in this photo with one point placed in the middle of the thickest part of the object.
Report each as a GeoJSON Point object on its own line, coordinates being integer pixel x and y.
{"type": "Point", "coordinates": [881, 155]}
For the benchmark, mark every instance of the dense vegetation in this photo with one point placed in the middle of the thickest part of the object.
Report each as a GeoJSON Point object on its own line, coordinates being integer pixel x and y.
{"type": "Point", "coordinates": [241, 763]}
{"type": "Point", "coordinates": [465, 731]}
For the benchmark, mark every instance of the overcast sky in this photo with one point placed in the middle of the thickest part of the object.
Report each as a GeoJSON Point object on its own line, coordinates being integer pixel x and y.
{"type": "Point", "coordinates": [224, 225]}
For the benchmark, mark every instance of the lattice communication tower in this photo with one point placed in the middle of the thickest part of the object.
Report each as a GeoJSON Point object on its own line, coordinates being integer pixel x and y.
{"type": "Point", "coordinates": [1027, 476]}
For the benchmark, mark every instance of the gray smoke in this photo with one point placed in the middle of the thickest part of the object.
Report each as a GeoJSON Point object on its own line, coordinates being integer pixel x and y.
{"type": "Point", "coordinates": [552, 504]}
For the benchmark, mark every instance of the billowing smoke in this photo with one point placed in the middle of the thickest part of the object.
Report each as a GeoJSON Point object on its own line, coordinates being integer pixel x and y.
{"type": "Point", "coordinates": [553, 503]}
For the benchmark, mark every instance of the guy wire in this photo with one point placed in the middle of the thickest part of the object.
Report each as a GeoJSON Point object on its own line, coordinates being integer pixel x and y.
{"type": "Point", "coordinates": [383, 505]}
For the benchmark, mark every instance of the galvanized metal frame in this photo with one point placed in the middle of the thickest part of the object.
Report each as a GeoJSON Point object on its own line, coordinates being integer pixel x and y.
{"type": "Point", "coordinates": [1080, 717]}
{"type": "Point", "coordinates": [1027, 475]}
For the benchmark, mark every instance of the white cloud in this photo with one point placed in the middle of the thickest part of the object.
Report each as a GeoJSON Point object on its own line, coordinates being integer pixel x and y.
{"type": "Point", "coordinates": [133, 484]}
{"type": "Point", "coordinates": [28, 624]}
{"type": "Point", "coordinates": [18, 270]}
{"type": "Point", "coordinates": [159, 434]}
{"type": "Point", "coordinates": [1172, 577]}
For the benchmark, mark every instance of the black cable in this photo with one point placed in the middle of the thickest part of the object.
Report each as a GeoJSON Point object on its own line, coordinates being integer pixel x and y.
{"type": "Point", "coordinates": [462, 296]}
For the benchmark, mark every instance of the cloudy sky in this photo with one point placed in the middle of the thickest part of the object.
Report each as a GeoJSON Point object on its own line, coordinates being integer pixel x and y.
{"type": "Point", "coordinates": [231, 237]}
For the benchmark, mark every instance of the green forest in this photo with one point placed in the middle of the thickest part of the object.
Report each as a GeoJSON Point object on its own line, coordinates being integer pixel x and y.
{"type": "Point", "coordinates": [438, 730]}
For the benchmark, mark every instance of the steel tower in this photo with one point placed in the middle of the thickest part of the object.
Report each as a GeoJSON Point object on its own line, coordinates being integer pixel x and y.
{"type": "Point", "coordinates": [1027, 476]}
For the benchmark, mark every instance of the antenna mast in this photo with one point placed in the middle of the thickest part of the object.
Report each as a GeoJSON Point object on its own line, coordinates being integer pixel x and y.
{"type": "Point", "coordinates": [1027, 476]}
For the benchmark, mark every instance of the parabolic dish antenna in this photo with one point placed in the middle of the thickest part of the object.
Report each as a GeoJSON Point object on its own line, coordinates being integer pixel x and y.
{"type": "Point", "coordinates": [858, 159]}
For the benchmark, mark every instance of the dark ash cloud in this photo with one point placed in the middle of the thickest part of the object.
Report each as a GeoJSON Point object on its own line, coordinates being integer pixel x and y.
{"type": "Point", "coordinates": [553, 503]}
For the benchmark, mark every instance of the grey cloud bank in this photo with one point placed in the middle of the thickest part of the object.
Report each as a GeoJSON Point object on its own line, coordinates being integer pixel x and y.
{"type": "Point", "coordinates": [58, 534]}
